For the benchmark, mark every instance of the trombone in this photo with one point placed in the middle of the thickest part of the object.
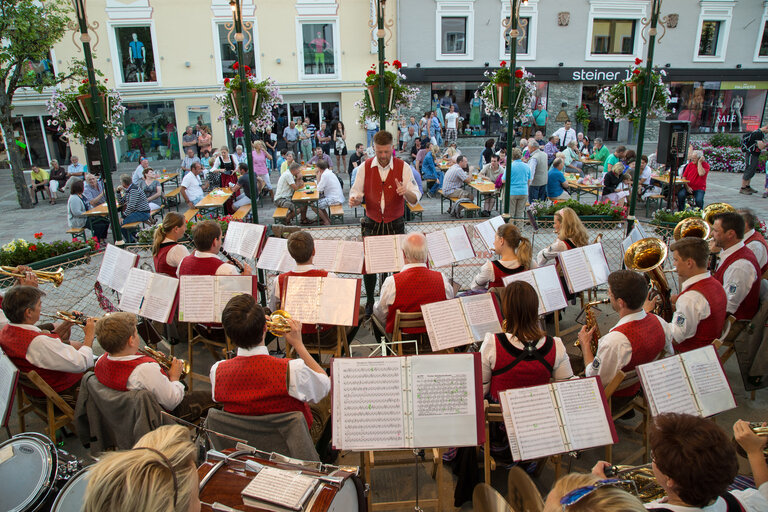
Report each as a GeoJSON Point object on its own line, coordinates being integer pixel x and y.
{"type": "Point", "coordinates": [47, 277]}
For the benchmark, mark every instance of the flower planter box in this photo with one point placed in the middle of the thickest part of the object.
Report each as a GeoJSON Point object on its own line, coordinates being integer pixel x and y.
{"type": "Point", "coordinates": [584, 218]}
{"type": "Point", "coordinates": [83, 107]}
{"type": "Point", "coordinates": [61, 259]}
{"type": "Point", "coordinates": [372, 91]}
{"type": "Point", "coordinates": [252, 97]}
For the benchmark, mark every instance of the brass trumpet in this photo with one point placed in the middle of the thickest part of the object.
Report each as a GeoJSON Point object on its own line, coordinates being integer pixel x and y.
{"type": "Point", "coordinates": [165, 361]}
{"type": "Point", "coordinates": [760, 430]}
{"type": "Point", "coordinates": [46, 277]}
{"type": "Point", "coordinates": [277, 323]}
{"type": "Point", "coordinates": [645, 487]}
{"type": "Point", "coordinates": [73, 317]}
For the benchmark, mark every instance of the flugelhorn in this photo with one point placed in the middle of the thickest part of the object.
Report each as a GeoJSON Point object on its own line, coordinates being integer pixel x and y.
{"type": "Point", "coordinates": [590, 322]}
{"type": "Point", "coordinates": [278, 324]}
{"type": "Point", "coordinates": [645, 487]}
{"type": "Point", "coordinates": [73, 317]}
{"type": "Point", "coordinates": [692, 227]}
{"type": "Point", "coordinates": [760, 429]}
{"type": "Point", "coordinates": [647, 255]}
{"type": "Point", "coordinates": [47, 277]}
{"type": "Point", "coordinates": [165, 361]}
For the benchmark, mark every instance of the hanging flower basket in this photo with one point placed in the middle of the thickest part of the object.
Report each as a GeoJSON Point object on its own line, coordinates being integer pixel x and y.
{"type": "Point", "coordinates": [83, 107]}
{"type": "Point", "coordinates": [397, 96]}
{"type": "Point", "coordinates": [372, 94]}
{"type": "Point", "coordinates": [624, 100]}
{"type": "Point", "coordinates": [495, 93]}
{"type": "Point", "coordinates": [252, 97]}
{"type": "Point", "coordinates": [261, 96]}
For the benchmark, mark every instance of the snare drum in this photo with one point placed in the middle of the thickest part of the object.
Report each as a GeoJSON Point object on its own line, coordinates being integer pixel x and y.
{"type": "Point", "coordinates": [72, 495]}
{"type": "Point", "coordinates": [28, 468]}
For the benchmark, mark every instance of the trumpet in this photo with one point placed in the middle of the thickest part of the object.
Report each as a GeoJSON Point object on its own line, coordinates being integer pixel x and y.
{"type": "Point", "coordinates": [73, 317]}
{"type": "Point", "coordinates": [644, 485]}
{"type": "Point", "coordinates": [760, 430]}
{"type": "Point", "coordinates": [591, 322]}
{"type": "Point", "coordinates": [165, 361]}
{"type": "Point", "coordinates": [46, 277]}
{"type": "Point", "coordinates": [277, 323]}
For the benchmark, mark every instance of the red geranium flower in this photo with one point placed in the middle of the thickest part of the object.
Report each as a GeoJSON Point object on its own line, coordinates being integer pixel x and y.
{"type": "Point", "coordinates": [636, 72]}
{"type": "Point", "coordinates": [236, 66]}
{"type": "Point", "coordinates": [503, 63]}
{"type": "Point", "coordinates": [33, 247]}
{"type": "Point", "coordinates": [248, 71]}
{"type": "Point", "coordinates": [519, 73]}
{"type": "Point", "coordinates": [85, 81]}
{"type": "Point", "coordinates": [38, 235]}
{"type": "Point", "coordinates": [370, 72]}
{"type": "Point", "coordinates": [226, 81]}
{"type": "Point", "coordinates": [638, 61]}
{"type": "Point", "coordinates": [397, 64]}
{"type": "Point", "coordinates": [386, 63]}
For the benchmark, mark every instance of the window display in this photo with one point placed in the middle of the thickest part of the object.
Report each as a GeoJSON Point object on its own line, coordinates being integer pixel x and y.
{"type": "Point", "coordinates": [719, 106]}
{"type": "Point", "coordinates": [150, 131]}
{"type": "Point", "coordinates": [137, 58]}
{"type": "Point", "coordinates": [319, 54]}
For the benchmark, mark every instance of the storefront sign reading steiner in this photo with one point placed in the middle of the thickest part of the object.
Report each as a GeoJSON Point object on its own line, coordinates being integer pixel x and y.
{"type": "Point", "coordinates": [600, 75]}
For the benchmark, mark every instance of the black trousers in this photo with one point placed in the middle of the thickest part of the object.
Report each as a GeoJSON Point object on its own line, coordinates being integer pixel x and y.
{"type": "Point", "coordinates": [372, 228]}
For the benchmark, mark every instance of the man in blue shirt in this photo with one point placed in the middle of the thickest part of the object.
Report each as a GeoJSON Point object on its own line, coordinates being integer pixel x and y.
{"type": "Point", "coordinates": [556, 182]}
{"type": "Point", "coordinates": [291, 136]}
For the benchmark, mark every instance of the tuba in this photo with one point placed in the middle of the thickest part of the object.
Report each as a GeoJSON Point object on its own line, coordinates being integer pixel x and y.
{"type": "Point", "coordinates": [647, 256]}
{"type": "Point", "coordinates": [277, 323]}
{"type": "Point", "coordinates": [643, 482]}
{"type": "Point", "coordinates": [590, 322]}
{"type": "Point", "coordinates": [715, 208]}
{"type": "Point", "coordinates": [165, 361]}
{"type": "Point", "coordinates": [693, 227]}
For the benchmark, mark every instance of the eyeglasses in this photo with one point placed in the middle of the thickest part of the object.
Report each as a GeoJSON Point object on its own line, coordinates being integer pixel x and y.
{"type": "Point", "coordinates": [577, 495]}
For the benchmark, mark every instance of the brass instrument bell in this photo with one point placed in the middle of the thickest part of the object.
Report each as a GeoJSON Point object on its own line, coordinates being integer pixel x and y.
{"type": "Point", "coordinates": [165, 361]}
{"type": "Point", "coordinates": [278, 324]}
{"type": "Point", "coordinates": [644, 486]}
{"type": "Point", "coordinates": [692, 227]}
{"type": "Point", "coordinates": [43, 276]}
{"type": "Point", "coordinates": [713, 209]}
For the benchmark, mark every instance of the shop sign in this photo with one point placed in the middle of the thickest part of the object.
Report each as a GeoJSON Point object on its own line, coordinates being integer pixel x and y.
{"type": "Point", "coordinates": [743, 85]}
{"type": "Point", "coordinates": [595, 74]}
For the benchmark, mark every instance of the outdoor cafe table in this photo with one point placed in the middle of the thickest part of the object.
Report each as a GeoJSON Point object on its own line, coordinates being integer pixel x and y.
{"type": "Point", "coordinates": [307, 196]}
{"type": "Point", "coordinates": [483, 187]}
{"type": "Point", "coordinates": [214, 200]}
{"type": "Point", "coordinates": [588, 164]}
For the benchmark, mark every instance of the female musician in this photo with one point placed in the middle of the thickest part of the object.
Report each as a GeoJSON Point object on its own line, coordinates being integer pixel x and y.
{"type": "Point", "coordinates": [585, 493]}
{"type": "Point", "coordinates": [167, 252]}
{"type": "Point", "coordinates": [159, 473]}
{"type": "Point", "coordinates": [514, 252]}
{"type": "Point", "coordinates": [571, 234]}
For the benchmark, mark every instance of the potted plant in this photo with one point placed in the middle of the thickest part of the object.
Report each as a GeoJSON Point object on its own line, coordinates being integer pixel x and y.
{"type": "Point", "coordinates": [396, 94]}
{"type": "Point", "coordinates": [586, 212]}
{"type": "Point", "coordinates": [261, 98]}
{"type": "Point", "coordinates": [623, 100]}
{"type": "Point", "coordinates": [495, 93]}
{"type": "Point", "coordinates": [39, 254]}
{"type": "Point", "coordinates": [582, 116]}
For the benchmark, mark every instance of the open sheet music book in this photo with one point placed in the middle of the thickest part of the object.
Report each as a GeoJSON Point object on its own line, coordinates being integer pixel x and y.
{"type": "Point", "coordinates": [428, 401]}
{"type": "Point", "coordinates": [383, 253]}
{"type": "Point", "coordinates": [458, 322]}
{"type": "Point", "coordinates": [322, 300]}
{"type": "Point", "coordinates": [487, 230]}
{"type": "Point", "coordinates": [584, 267]}
{"type": "Point", "coordinates": [287, 490]}
{"type": "Point", "coordinates": [244, 238]}
{"type": "Point", "coordinates": [546, 282]}
{"type": "Point", "coordinates": [149, 295]}
{"type": "Point", "coordinates": [115, 266]}
{"type": "Point", "coordinates": [692, 383]}
{"type": "Point", "coordinates": [342, 256]}
{"type": "Point", "coordinates": [275, 256]}
{"type": "Point", "coordinates": [203, 298]}
{"type": "Point", "coordinates": [9, 378]}
{"type": "Point", "coordinates": [636, 234]}
{"type": "Point", "coordinates": [557, 418]}
{"type": "Point", "coordinates": [449, 245]}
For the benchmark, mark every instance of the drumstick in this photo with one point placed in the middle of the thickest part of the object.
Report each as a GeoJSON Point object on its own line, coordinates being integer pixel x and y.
{"type": "Point", "coordinates": [219, 507]}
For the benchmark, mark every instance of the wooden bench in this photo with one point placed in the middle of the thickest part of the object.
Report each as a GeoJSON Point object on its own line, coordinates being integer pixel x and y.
{"type": "Point", "coordinates": [415, 210]}
{"type": "Point", "coordinates": [173, 198]}
{"type": "Point", "coordinates": [157, 211]}
{"type": "Point", "coordinates": [280, 214]}
{"type": "Point", "coordinates": [427, 184]}
{"type": "Point", "coordinates": [470, 209]}
{"type": "Point", "coordinates": [241, 212]}
{"type": "Point", "coordinates": [655, 199]}
{"type": "Point", "coordinates": [190, 214]}
{"type": "Point", "coordinates": [336, 212]}
{"type": "Point", "coordinates": [77, 233]}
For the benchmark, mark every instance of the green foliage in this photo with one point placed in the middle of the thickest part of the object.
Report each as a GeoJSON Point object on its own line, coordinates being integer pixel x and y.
{"type": "Point", "coordinates": [145, 236]}
{"type": "Point", "coordinates": [668, 216]}
{"type": "Point", "coordinates": [21, 252]}
{"type": "Point", "coordinates": [725, 140]}
{"type": "Point", "coordinates": [546, 208]}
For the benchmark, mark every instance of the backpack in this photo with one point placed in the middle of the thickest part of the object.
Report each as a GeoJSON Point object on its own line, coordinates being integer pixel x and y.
{"type": "Point", "coordinates": [747, 144]}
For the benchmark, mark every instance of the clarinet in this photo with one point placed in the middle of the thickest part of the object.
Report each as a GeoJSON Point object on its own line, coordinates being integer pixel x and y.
{"type": "Point", "coordinates": [233, 261]}
{"type": "Point", "coordinates": [712, 264]}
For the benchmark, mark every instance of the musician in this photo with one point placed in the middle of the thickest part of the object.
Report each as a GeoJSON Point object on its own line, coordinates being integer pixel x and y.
{"type": "Point", "coordinates": [754, 240]}
{"type": "Point", "coordinates": [700, 307]}
{"type": "Point", "coordinates": [159, 473]}
{"type": "Point", "coordinates": [593, 496]}
{"type": "Point", "coordinates": [514, 252]}
{"type": "Point", "coordinates": [59, 364]}
{"type": "Point", "coordinates": [205, 261]}
{"type": "Point", "coordinates": [571, 234]}
{"type": "Point", "coordinates": [413, 286]}
{"type": "Point", "coordinates": [637, 338]}
{"type": "Point", "coordinates": [523, 355]}
{"type": "Point", "coordinates": [695, 463]}
{"type": "Point", "coordinates": [167, 252]}
{"type": "Point", "coordinates": [27, 278]}
{"type": "Point", "coordinates": [123, 368]}
{"type": "Point", "coordinates": [254, 383]}
{"type": "Point", "coordinates": [737, 268]}
{"type": "Point", "coordinates": [386, 183]}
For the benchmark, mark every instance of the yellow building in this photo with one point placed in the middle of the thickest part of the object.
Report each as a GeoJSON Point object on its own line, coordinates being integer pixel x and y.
{"type": "Point", "coordinates": [168, 58]}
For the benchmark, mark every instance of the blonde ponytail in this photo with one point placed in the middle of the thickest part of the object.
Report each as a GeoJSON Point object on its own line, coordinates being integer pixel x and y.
{"type": "Point", "coordinates": [170, 221]}
{"type": "Point", "coordinates": [524, 252]}
{"type": "Point", "coordinates": [518, 243]}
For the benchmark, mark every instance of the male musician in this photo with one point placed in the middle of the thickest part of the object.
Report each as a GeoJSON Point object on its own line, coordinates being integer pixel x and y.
{"type": "Point", "coordinates": [123, 368]}
{"type": "Point", "coordinates": [737, 268]}
{"type": "Point", "coordinates": [637, 338]}
{"type": "Point", "coordinates": [413, 286]}
{"type": "Point", "coordinates": [754, 240]}
{"type": "Point", "coordinates": [205, 260]}
{"type": "Point", "coordinates": [700, 307]}
{"type": "Point", "coordinates": [59, 364]}
{"type": "Point", "coordinates": [386, 183]}
{"type": "Point", "coordinates": [254, 383]}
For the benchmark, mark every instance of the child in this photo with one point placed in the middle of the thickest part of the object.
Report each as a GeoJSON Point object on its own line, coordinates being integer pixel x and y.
{"type": "Point", "coordinates": [622, 190]}
{"type": "Point", "coordinates": [515, 254]}
{"type": "Point", "coordinates": [123, 368]}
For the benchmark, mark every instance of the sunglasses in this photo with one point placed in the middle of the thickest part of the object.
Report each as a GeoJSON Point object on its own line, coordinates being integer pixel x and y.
{"type": "Point", "coordinates": [577, 495]}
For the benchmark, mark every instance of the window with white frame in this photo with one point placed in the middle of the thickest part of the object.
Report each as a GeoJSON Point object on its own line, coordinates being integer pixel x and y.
{"type": "Point", "coordinates": [526, 26]}
{"type": "Point", "coordinates": [713, 29]}
{"type": "Point", "coordinates": [761, 48]}
{"type": "Point", "coordinates": [317, 41]}
{"type": "Point", "coordinates": [613, 37]}
{"type": "Point", "coordinates": [134, 52]}
{"type": "Point", "coordinates": [226, 46]}
{"type": "Point", "coordinates": [454, 28]}
{"type": "Point", "coordinates": [613, 30]}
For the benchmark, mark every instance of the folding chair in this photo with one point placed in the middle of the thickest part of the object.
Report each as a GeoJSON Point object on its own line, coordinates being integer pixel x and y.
{"type": "Point", "coordinates": [218, 349]}
{"type": "Point", "coordinates": [319, 347]}
{"type": "Point", "coordinates": [58, 413]}
{"type": "Point", "coordinates": [638, 404]}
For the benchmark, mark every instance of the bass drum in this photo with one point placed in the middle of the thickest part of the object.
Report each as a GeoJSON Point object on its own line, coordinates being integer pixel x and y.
{"type": "Point", "coordinates": [28, 472]}
{"type": "Point", "coordinates": [72, 495]}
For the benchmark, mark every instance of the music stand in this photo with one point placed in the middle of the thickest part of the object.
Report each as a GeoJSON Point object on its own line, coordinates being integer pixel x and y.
{"type": "Point", "coordinates": [9, 379]}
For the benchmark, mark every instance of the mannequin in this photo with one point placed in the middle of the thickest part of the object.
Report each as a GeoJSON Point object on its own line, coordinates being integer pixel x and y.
{"type": "Point", "coordinates": [137, 54]}
{"type": "Point", "coordinates": [436, 108]}
{"type": "Point", "coordinates": [475, 111]}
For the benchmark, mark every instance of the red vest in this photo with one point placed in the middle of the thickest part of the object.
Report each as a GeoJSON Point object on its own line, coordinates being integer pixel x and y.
{"type": "Point", "coordinates": [527, 372]}
{"type": "Point", "coordinates": [500, 272]}
{"type": "Point", "coordinates": [161, 262]}
{"type": "Point", "coordinates": [647, 339]}
{"type": "Point", "coordinates": [414, 287]}
{"type": "Point", "coordinates": [283, 280]}
{"type": "Point", "coordinates": [15, 342]}
{"type": "Point", "coordinates": [757, 237]}
{"type": "Point", "coordinates": [115, 374]}
{"type": "Point", "coordinates": [196, 266]}
{"type": "Point", "coordinates": [749, 306]}
{"type": "Point", "coordinates": [710, 327]}
{"type": "Point", "coordinates": [255, 386]}
{"type": "Point", "coordinates": [373, 188]}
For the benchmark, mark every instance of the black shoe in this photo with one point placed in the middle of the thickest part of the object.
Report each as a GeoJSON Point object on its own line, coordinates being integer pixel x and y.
{"type": "Point", "coordinates": [485, 213]}
{"type": "Point", "coordinates": [369, 309]}
{"type": "Point", "coordinates": [751, 189]}
{"type": "Point", "coordinates": [745, 191]}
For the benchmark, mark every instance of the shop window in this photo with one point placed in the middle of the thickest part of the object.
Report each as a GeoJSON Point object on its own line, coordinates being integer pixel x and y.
{"type": "Point", "coordinates": [150, 131]}
{"type": "Point", "coordinates": [763, 52]}
{"type": "Point", "coordinates": [135, 54]}
{"type": "Point", "coordinates": [710, 33]}
{"type": "Point", "coordinates": [453, 35]}
{"type": "Point", "coordinates": [226, 46]}
{"type": "Point", "coordinates": [522, 38]}
{"type": "Point", "coordinates": [319, 52]}
{"type": "Point", "coordinates": [613, 37]}
{"type": "Point", "coordinates": [718, 106]}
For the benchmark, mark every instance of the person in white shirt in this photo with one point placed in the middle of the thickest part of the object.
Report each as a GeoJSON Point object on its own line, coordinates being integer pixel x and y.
{"type": "Point", "coordinates": [754, 240]}
{"type": "Point", "coordinates": [239, 156]}
{"type": "Point", "coordinates": [647, 188]}
{"type": "Point", "coordinates": [737, 268]}
{"type": "Point", "coordinates": [191, 186]}
{"type": "Point", "coordinates": [566, 134]}
{"type": "Point", "coordinates": [330, 191]}
{"type": "Point", "coordinates": [284, 190]}
{"type": "Point", "coordinates": [75, 172]}
{"type": "Point", "coordinates": [451, 124]}
{"type": "Point", "coordinates": [138, 174]}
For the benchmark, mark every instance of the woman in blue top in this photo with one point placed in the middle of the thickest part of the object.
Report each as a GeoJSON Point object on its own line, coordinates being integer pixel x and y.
{"type": "Point", "coordinates": [519, 177]}
{"type": "Point", "coordinates": [430, 171]}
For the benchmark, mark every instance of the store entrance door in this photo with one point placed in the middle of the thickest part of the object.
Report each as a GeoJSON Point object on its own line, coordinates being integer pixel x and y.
{"type": "Point", "coordinates": [599, 126]}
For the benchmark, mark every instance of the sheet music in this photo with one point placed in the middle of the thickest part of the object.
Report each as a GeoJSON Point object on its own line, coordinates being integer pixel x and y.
{"type": "Point", "coordinates": [383, 253]}
{"type": "Point", "coordinates": [226, 288]}
{"type": "Point", "coordinates": [341, 295]}
{"type": "Point", "coordinates": [351, 257]}
{"type": "Point", "coordinates": [547, 285]}
{"type": "Point", "coordinates": [134, 290]}
{"type": "Point", "coordinates": [279, 486]}
{"type": "Point", "coordinates": [244, 239]}
{"type": "Point", "coordinates": [443, 400]}
{"type": "Point", "coordinates": [446, 324]}
{"type": "Point", "coordinates": [115, 265]}
{"type": "Point", "coordinates": [461, 245]}
{"type": "Point", "coordinates": [583, 413]}
{"type": "Point", "coordinates": [666, 386]}
{"type": "Point", "coordinates": [634, 235]}
{"type": "Point", "coordinates": [439, 249]}
{"type": "Point", "coordinates": [535, 421]}
{"type": "Point", "coordinates": [8, 378]}
{"type": "Point", "coordinates": [159, 297]}
{"type": "Point", "coordinates": [487, 230]}
{"type": "Point", "coordinates": [325, 254]}
{"type": "Point", "coordinates": [481, 314]}
{"type": "Point", "coordinates": [576, 269]}
{"type": "Point", "coordinates": [596, 258]}
{"type": "Point", "coordinates": [368, 409]}
{"type": "Point", "coordinates": [197, 297]}
{"type": "Point", "coordinates": [708, 381]}
{"type": "Point", "coordinates": [275, 256]}
{"type": "Point", "coordinates": [301, 299]}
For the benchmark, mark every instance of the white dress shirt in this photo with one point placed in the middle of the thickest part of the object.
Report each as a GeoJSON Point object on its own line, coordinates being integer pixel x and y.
{"type": "Point", "coordinates": [753, 500]}
{"type": "Point", "coordinates": [486, 275]}
{"type": "Point", "coordinates": [330, 187]}
{"type": "Point", "coordinates": [690, 309]}
{"type": "Point", "coordinates": [177, 253]}
{"type": "Point", "coordinates": [548, 255]}
{"type": "Point", "coordinates": [358, 189]}
{"type": "Point", "coordinates": [561, 370]}
{"type": "Point", "coordinates": [614, 349]}
{"type": "Point", "coordinates": [227, 269]}
{"type": "Point", "coordinates": [738, 279]}
{"type": "Point", "coordinates": [565, 136]}
{"type": "Point", "coordinates": [274, 299]}
{"type": "Point", "coordinates": [304, 383]}
{"type": "Point", "coordinates": [757, 248]}
{"type": "Point", "coordinates": [149, 376]}
{"type": "Point", "coordinates": [51, 354]}
{"type": "Point", "coordinates": [388, 292]}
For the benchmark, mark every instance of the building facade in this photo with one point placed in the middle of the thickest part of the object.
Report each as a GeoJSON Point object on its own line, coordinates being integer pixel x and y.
{"type": "Point", "coordinates": [715, 53]}
{"type": "Point", "coordinates": [169, 58]}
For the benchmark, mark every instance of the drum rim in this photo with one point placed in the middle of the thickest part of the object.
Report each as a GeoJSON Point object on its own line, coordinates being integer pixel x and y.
{"type": "Point", "coordinates": [80, 475]}
{"type": "Point", "coordinates": [34, 502]}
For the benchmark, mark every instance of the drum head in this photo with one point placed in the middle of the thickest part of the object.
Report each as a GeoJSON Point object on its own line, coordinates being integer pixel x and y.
{"type": "Point", "coordinates": [72, 495]}
{"type": "Point", "coordinates": [27, 472]}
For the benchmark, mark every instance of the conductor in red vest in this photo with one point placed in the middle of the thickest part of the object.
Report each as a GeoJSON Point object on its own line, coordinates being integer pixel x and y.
{"type": "Point", "coordinates": [754, 240]}
{"type": "Point", "coordinates": [255, 383]}
{"type": "Point", "coordinates": [59, 364]}
{"type": "Point", "coordinates": [737, 269]}
{"type": "Point", "coordinates": [386, 183]}
{"type": "Point", "coordinates": [637, 338]}
{"type": "Point", "coordinates": [700, 307]}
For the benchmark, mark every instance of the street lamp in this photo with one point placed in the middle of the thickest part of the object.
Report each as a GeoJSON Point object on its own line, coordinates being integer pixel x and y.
{"type": "Point", "coordinates": [511, 32]}
{"type": "Point", "coordinates": [380, 6]}
{"type": "Point", "coordinates": [98, 117]}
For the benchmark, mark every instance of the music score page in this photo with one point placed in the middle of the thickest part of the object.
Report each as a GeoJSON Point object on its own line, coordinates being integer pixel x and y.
{"type": "Point", "coordinates": [115, 265]}
{"type": "Point", "coordinates": [532, 421]}
{"type": "Point", "coordinates": [244, 239]}
{"type": "Point", "coordinates": [487, 230]}
{"type": "Point", "coordinates": [666, 387]}
{"type": "Point", "coordinates": [583, 413]}
{"type": "Point", "coordinates": [149, 294]}
{"type": "Point", "coordinates": [322, 300]}
{"type": "Point", "coordinates": [446, 324]}
{"type": "Point", "coordinates": [710, 386]}
{"type": "Point", "coordinates": [547, 285]}
{"type": "Point", "coordinates": [275, 256]}
{"type": "Point", "coordinates": [584, 267]}
{"type": "Point", "coordinates": [288, 489]}
{"type": "Point", "coordinates": [383, 253]}
{"type": "Point", "coordinates": [343, 256]}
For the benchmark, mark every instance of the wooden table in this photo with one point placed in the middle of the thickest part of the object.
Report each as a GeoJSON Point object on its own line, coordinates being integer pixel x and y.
{"type": "Point", "coordinates": [99, 211]}
{"type": "Point", "coordinates": [483, 187]}
{"type": "Point", "coordinates": [443, 165]}
{"type": "Point", "coordinates": [214, 200]}
{"type": "Point", "coordinates": [580, 188]}
{"type": "Point", "coordinates": [307, 196]}
{"type": "Point", "coordinates": [166, 177]}
{"type": "Point", "coordinates": [308, 173]}
{"type": "Point", "coordinates": [586, 163]}
{"type": "Point", "coordinates": [664, 180]}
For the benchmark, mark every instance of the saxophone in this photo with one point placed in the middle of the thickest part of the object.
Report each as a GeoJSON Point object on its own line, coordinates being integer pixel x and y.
{"type": "Point", "coordinates": [591, 321]}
